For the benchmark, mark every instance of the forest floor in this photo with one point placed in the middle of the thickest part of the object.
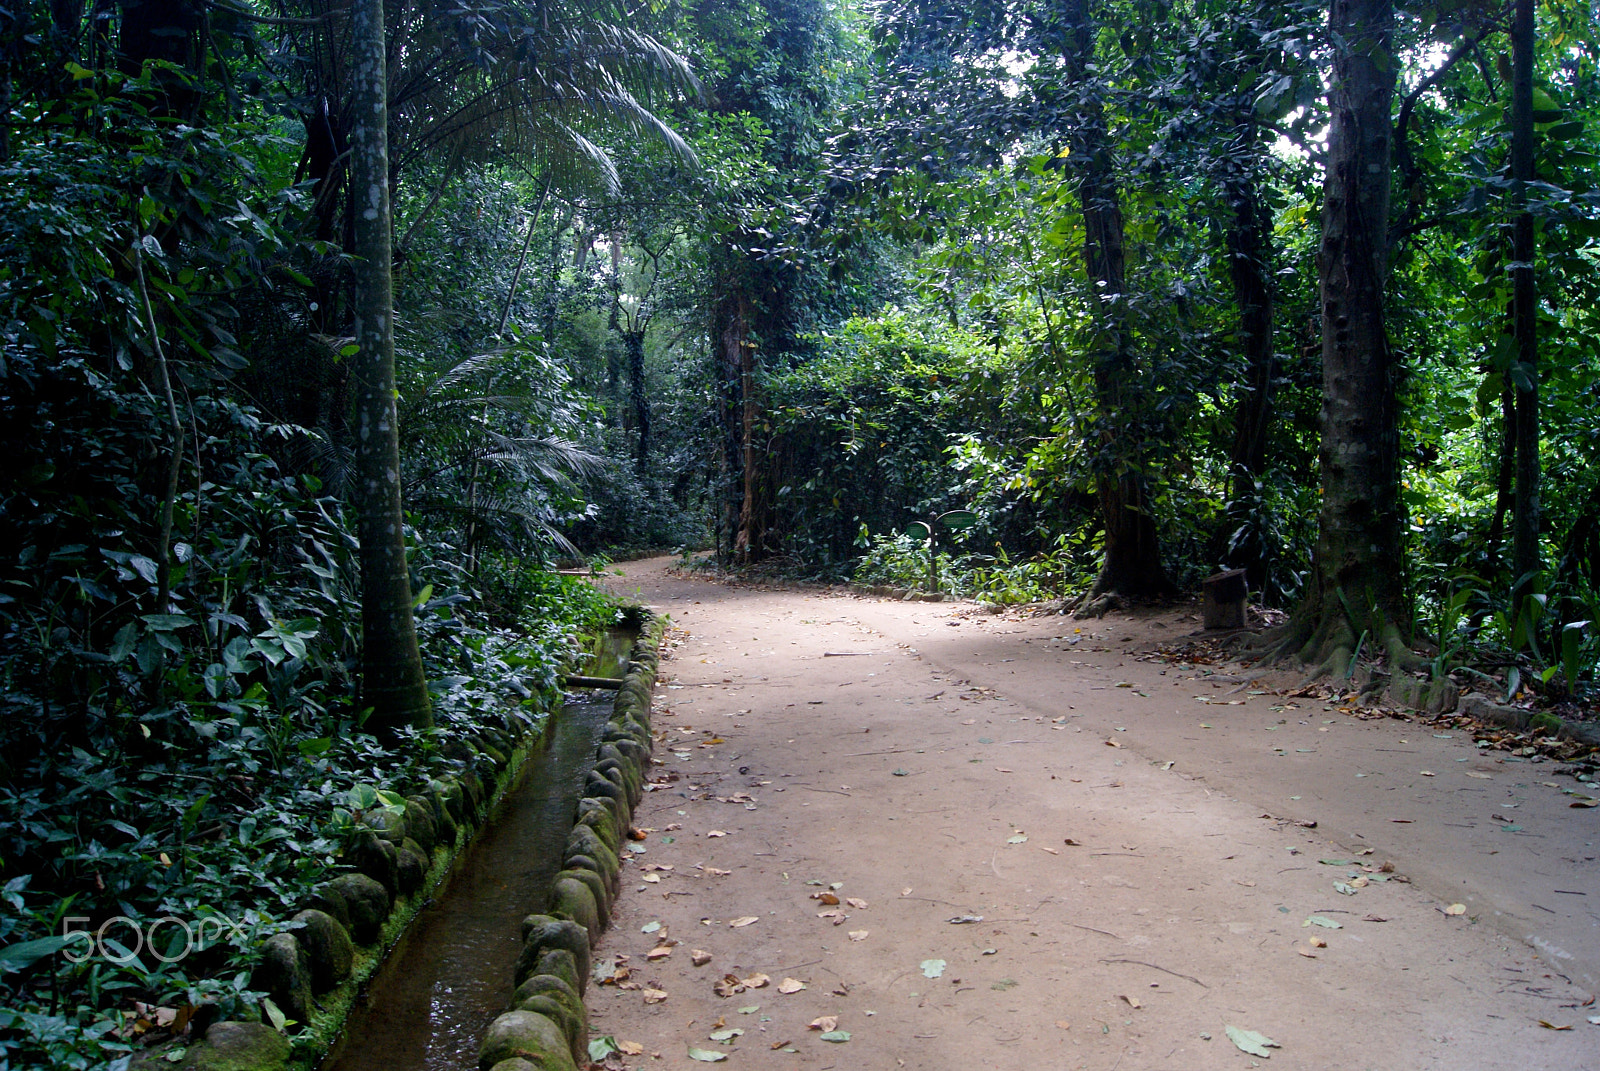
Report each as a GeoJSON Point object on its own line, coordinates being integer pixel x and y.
{"type": "Point", "coordinates": [1052, 847]}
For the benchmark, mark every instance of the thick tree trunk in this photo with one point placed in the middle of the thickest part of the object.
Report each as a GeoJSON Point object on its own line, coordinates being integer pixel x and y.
{"type": "Point", "coordinates": [1524, 302]}
{"type": "Point", "coordinates": [1358, 587]}
{"type": "Point", "coordinates": [392, 679]}
{"type": "Point", "coordinates": [1132, 563]}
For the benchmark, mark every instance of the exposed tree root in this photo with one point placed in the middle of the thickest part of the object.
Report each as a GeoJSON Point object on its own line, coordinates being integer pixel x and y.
{"type": "Point", "coordinates": [1098, 604]}
{"type": "Point", "coordinates": [1323, 640]}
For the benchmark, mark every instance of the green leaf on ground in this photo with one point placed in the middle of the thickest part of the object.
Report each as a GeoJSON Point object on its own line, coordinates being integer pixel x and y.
{"type": "Point", "coordinates": [1318, 920]}
{"type": "Point", "coordinates": [707, 1057]}
{"type": "Point", "coordinates": [602, 1046]}
{"type": "Point", "coordinates": [933, 968]}
{"type": "Point", "coordinates": [837, 1036]}
{"type": "Point", "coordinates": [1252, 1042]}
{"type": "Point", "coordinates": [1020, 838]}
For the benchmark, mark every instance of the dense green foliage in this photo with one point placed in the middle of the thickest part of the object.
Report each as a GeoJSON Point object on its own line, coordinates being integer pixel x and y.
{"type": "Point", "coordinates": [775, 278]}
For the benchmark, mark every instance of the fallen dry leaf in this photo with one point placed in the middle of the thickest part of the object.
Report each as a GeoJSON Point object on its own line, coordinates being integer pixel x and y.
{"type": "Point", "coordinates": [1069, 842]}
{"type": "Point", "coordinates": [699, 957]}
{"type": "Point", "coordinates": [1552, 1026]}
{"type": "Point", "coordinates": [715, 833]}
{"type": "Point", "coordinates": [855, 902]}
{"type": "Point", "coordinates": [1318, 942]}
{"type": "Point", "coordinates": [658, 952]}
{"type": "Point", "coordinates": [1132, 1002]}
{"type": "Point", "coordinates": [825, 897]}
{"type": "Point", "coordinates": [744, 921]}
{"type": "Point", "coordinates": [654, 996]}
{"type": "Point", "coordinates": [779, 1044]}
{"type": "Point", "coordinates": [630, 1048]}
{"type": "Point", "coordinates": [714, 872]}
{"type": "Point", "coordinates": [906, 891]}
{"type": "Point", "coordinates": [728, 986]}
{"type": "Point", "coordinates": [825, 1022]}
{"type": "Point", "coordinates": [652, 878]}
{"type": "Point", "coordinates": [1307, 953]}
{"type": "Point", "coordinates": [1052, 851]}
{"type": "Point", "coordinates": [755, 981]}
{"type": "Point", "coordinates": [858, 935]}
{"type": "Point", "coordinates": [791, 985]}
{"type": "Point", "coordinates": [1112, 743]}
{"type": "Point", "coordinates": [1456, 909]}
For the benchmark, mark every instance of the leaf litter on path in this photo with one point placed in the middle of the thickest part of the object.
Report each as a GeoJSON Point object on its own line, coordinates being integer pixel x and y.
{"type": "Point", "coordinates": [1251, 1041]}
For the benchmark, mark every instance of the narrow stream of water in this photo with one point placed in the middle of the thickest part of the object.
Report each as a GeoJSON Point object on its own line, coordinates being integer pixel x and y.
{"type": "Point", "coordinates": [428, 1006]}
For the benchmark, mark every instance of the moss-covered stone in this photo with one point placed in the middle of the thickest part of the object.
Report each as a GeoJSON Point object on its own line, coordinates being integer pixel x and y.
{"type": "Point", "coordinates": [472, 793]}
{"type": "Point", "coordinates": [584, 841]}
{"type": "Point", "coordinates": [603, 821]}
{"type": "Point", "coordinates": [388, 825]}
{"type": "Point", "coordinates": [376, 858]}
{"type": "Point", "coordinates": [540, 933]}
{"type": "Point", "coordinates": [328, 947]}
{"type": "Point", "coordinates": [238, 1047]}
{"type": "Point", "coordinates": [453, 798]}
{"type": "Point", "coordinates": [284, 973]}
{"type": "Point", "coordinates": [527, 1036]}
{"type": "Point", "coordinates": [605, 812]}
{"type": "Point", "coordinates": [1545, 722]}
{"type": "Point", "coordinates": [549, 985]}
{"type": "Point", "coordinates": [618, 769]}
{"type": "Point", "coordinates": [599, 888]}
{"type": "Point", "coordinates": [421, 824]}
{"type": "Point", "coordinates": [412, 867]}
{"type": "Point", "coordinates": [331, 904]}
{"type": "Point", "coordinates": [561, 963]}
{"type": "Point", "coordinates": [366, 904]}
{"type": "Point", "coordinates": [574, 1022]}
{"type": "Point", "coordinates": [596, 784]}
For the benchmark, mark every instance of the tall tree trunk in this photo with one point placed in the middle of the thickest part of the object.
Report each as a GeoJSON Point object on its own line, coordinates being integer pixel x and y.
{"type": "Point", "coordinates": [1132, 563]}
{"type": "Point", "coordinates": [750, 544]}
{"type": "Point", "coordinates": [638, 398]}
{"type": "Point", "coordinates": [392, 679]}
{"type": "Point", "coordinates": [1358, 585]}
{"type": "Point", "coordinates": [1504, 473]}
{"type": "Point", "coordinates": [1249, 267]}
{"type": "Point", "coordinates": [1524, 301]}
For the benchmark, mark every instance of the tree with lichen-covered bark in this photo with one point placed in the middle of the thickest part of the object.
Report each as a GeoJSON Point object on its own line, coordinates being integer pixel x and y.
{"type": "Point", "coordinates": [392, 680]}
{"type": "Point", "coordinates": [1357, 599]}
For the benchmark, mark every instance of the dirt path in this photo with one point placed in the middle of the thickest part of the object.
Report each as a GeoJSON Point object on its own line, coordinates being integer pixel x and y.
{"type": "Point", "coordinates": [925, 763]}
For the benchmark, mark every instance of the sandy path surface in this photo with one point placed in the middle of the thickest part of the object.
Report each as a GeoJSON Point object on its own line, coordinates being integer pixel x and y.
{"type": "Point", "coordinates": [924, 763]}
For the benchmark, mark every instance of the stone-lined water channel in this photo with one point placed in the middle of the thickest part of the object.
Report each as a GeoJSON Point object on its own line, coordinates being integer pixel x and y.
{"type": "Point", "coordinates": [427, 1008]}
